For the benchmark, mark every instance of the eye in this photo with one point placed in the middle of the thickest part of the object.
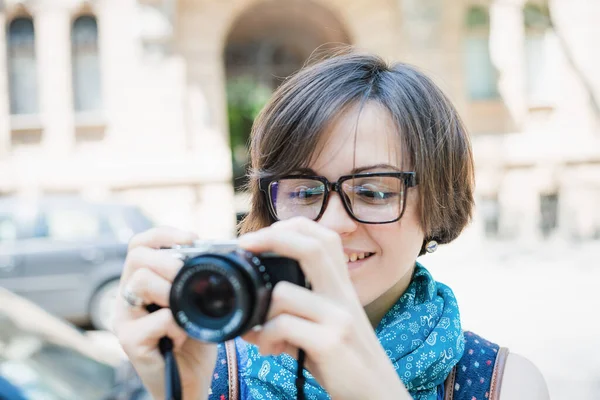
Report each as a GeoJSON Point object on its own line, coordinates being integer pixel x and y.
{"type": "Point", "coordinates": [374, 194]}
{"type": "Point", "coordinates": [304, 193]}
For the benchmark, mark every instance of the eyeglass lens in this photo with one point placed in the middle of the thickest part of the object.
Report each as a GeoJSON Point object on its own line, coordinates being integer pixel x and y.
{"type": "Point", "coordinates": [369, 198]}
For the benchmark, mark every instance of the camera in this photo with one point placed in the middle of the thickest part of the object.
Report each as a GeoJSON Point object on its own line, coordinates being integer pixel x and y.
{"type": "Point", "coordinates": [222, 291]}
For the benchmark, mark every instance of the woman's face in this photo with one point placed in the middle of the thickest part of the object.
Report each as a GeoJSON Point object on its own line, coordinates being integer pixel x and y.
{"type": "Point", "coordinates": [381, 278]}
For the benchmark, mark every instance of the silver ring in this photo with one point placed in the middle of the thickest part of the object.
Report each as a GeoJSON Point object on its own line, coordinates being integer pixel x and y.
{"type": "Point", "coordinates": [131, 298]}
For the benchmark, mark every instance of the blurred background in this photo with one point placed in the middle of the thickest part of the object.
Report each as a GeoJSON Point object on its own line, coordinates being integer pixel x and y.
{"type": "Point", "coordinates": [116, 115]}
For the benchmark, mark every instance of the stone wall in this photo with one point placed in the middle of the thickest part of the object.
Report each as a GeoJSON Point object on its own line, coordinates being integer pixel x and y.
{"type": "Point", "coordinates": [162, 137]}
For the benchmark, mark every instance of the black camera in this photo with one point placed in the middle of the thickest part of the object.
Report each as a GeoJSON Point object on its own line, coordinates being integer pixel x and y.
{"type": "Point", "coordinates": [222, 291]}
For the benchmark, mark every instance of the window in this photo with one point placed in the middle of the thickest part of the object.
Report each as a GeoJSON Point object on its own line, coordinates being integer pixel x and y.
{"type": "Point", "coordinates": [490, 212]}
{"type": "Point", "coordinates": [481, 75]}
{"type": "Point", "coordinates": [22, 69]}
{"type": "Point", "coordinates": [72, 224]}
{"type": "Point", "coordinates": [538, 38]}
{"type": "Point", "coordinates": [87, 86]}
{"type": "Point", "coordinates": [548, 213]}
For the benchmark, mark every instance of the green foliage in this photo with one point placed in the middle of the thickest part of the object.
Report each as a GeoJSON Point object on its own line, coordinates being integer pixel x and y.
{"type": "Point", "coordinates": [478, 17]}
{"type": "Point", "coordinates": [536, 17]}
{"type": "Point", "coordinates": [245, 99]}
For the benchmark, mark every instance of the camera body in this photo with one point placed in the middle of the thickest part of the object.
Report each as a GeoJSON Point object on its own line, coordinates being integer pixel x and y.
{"type": "Point", "coordinates": [222, 291]}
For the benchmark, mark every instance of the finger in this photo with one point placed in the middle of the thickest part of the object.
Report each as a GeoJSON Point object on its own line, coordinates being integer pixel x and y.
{"type": "Point", "coordinates": [139, 338]}
{"type": "Point", "coordinates": [150, 287]}
{"type": "Point", "coordinates": [152, 284]}
{"type": "Point", "coordinates": [160, 262]}
{"type": "Point", "coordinates": [324, 271]}
{"type": "Point", "coordinates": [288, 298]}
{"type": "Point", "coordinates": [266, 347]}
{"type": "Point", "coordinates": [288, 331]}
{"type": "Point", "coordinates": [124, 313]}
{"type": "Point", "coordinates": [161, 237]}
{"type": "Point", "coordinates": [306, 226]}
{"type": "Point", "coordinates": [330, 239]}
{"type": "Point", "coordinates": [252, 335]}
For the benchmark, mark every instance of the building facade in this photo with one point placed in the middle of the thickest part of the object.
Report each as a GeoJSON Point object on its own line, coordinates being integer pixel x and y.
{"type": "Point", "coordinates": [128, 99]}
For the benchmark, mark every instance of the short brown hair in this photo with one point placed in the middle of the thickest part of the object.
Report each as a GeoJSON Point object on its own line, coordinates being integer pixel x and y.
{"type": "Point", "coordinates": [285, 134]}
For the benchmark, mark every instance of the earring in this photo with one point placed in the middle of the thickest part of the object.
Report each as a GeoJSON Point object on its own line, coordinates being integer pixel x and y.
{"type": "Point", "coordinates": [431, 246]}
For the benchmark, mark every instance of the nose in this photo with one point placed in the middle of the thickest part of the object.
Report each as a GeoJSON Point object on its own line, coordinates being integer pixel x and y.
{"type": "Point", "coordinates": [335, 216]}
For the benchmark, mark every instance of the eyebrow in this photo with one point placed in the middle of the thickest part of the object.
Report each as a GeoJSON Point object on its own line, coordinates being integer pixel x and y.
{"type": "Point", "coordinates": [356, 170]}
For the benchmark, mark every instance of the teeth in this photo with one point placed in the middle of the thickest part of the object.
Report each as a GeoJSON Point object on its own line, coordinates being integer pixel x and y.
{"type": "Point", "coordinates": [356, 256]}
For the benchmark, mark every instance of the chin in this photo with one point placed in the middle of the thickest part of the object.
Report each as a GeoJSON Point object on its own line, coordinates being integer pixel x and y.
{"type": "Point", "coordinates": [365, 291]}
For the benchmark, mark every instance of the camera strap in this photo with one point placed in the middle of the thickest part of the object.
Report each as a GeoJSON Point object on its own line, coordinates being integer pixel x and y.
{"type": "Point", "coordinates": [172, 379]}
{"type": "Point", "coordinates": [300, 375]}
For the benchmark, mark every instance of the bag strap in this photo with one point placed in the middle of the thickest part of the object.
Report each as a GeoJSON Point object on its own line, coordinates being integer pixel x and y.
{"type": "Point", "coordinates": [498, 373]}
{"type": "Point", "coordinates": [232, 370]}
{"type": "Point", "coordinates": [496, 381]}
{"type": "Point", "coordinates": [449, 385]}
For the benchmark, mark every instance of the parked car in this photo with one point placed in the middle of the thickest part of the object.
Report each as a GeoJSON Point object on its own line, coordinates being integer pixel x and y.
{"type": "Point", "coordinates": [43, 357]}
{"type": "Point", "coordinates": [66, 254]}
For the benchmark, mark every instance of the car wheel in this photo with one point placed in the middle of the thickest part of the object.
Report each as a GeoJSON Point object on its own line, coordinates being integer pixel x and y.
{"type": "Point", "coordinates": [103, 304]}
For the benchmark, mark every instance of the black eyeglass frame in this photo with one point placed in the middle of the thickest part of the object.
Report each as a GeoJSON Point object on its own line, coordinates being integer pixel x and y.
{"type": "Point", "coordinates": [409, 179]}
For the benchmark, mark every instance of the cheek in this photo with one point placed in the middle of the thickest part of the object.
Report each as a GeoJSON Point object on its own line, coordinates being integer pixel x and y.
{"type": "Point", "coordinates": [403, 239]}
{"type": "Point", "coordinates": [398, 245]}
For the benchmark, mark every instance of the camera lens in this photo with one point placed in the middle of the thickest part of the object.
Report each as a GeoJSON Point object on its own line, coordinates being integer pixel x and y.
{"type": "Point", "coordinates": [212, 293]}
{"type": "Point", "coordinates": [214, 296]}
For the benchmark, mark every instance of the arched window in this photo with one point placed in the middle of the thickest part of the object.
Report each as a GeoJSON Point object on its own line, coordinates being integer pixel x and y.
{"type": "Point", "coordinates": [481, 76]}
{"type": "Point", "coordinates": [87, 88]}
{"type": "Point", "coordinates": [22, 69]}
{"type": "Point", "coordinates": [538, 41]}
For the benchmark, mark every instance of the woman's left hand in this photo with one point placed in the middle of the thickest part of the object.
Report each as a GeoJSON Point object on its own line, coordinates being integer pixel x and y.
{"type": "Point", "coordinates": [328, 323]}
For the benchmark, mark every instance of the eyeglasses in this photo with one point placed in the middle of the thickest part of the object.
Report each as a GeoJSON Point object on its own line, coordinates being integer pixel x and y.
{"type": "Point", "coordinates": [370, 198]}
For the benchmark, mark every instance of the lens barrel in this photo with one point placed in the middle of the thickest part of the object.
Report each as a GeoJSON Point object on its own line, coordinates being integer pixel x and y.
{"type": "Point", "coordinates": [218, 296]}
{"type": "Point", "coordinates": [212, 297]}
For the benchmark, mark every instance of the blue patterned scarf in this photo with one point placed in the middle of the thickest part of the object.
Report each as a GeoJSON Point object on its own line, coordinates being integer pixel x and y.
{"type": "Point", "coordinates": [421, 334]}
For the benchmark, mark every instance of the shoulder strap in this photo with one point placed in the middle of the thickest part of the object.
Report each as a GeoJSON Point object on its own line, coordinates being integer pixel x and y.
{"type": "Point", "coordinates": [496, 384]}
{"type": "Point", "coordinates": [479, 372]}
{"type": "Point", "coordinates": [498, 373]}
{"type": "Point", "coordinates": [232, 370]}
{"type": "Point", "coordinates": [449, 385]}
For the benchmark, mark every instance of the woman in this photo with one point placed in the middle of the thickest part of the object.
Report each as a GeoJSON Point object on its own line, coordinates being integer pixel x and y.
{"type": "Point", "coordinates": [358, 168]}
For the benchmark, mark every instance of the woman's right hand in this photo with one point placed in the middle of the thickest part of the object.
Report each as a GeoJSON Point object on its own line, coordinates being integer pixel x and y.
{"type": "Point", "coordinates": [148, 274]}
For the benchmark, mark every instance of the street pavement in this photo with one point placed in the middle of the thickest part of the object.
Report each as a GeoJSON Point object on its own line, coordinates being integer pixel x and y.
{"type": "Point", "coordinates": [541, 303]}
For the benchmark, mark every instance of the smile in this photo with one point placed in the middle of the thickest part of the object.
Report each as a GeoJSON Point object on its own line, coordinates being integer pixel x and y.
{"type": "Point", "coordinates": [352, 257]}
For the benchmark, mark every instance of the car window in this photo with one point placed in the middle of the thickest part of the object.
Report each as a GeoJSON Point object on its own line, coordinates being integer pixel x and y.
{"type": "Point", "coordinates": [119, 226]}
{"type": "Point", "coordinates": [124, 222]}
{"type": "Point", "coordinates": [137, 219]}
{"type": "Point", "coordinates": [70, 224]}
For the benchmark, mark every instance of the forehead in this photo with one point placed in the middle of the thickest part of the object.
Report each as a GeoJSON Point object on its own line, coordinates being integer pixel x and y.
{"type": "Point", "coordinates": [358, 138]}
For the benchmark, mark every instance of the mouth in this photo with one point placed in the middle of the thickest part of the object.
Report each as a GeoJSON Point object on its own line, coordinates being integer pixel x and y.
{"type": "Point", "coordinates": [355, 258]}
